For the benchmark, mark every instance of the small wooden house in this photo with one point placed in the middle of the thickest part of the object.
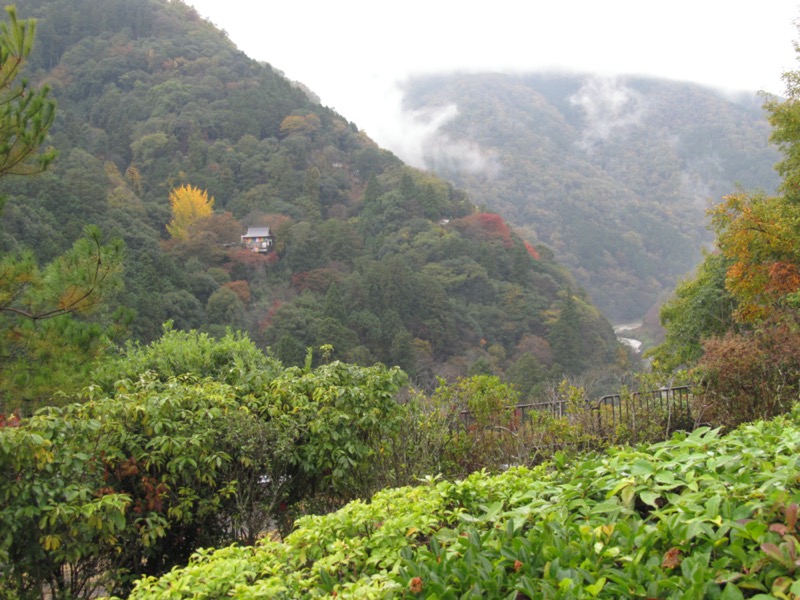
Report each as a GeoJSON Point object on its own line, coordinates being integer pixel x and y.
{"type": "Point", "coordinates": [258, 239]}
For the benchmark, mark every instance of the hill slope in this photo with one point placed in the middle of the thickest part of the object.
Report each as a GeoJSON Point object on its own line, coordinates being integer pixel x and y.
{"type": "Point", "coordinates": [614, 174]}
{"type": "Point", "coordinates": [384, 262]}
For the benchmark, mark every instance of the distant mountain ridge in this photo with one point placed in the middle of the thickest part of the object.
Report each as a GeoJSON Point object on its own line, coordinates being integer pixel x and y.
{"type": "Point", "coordinates": [614, 174]}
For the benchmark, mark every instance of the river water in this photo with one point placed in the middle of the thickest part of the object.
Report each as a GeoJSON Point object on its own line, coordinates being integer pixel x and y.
{"type": "Point", "coordinates": [620, 329]}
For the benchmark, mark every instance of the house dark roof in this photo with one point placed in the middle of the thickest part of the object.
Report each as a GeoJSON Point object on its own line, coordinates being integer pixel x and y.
{"type": "Point", "coordinates": [257, 232]}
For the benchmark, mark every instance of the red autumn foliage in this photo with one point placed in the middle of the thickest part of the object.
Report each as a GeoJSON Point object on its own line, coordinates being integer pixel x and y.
{"type": "Point", "coordinates": [11, 420]}
{"type": "Point", "coordinates": [154, 492]}
{"type": "Point", "coordinates": [248, 258]}
{"type": "Point", "coordinates": [415, 585]}
{"type": "Point", "coordinates": [784, 278]}
{"type": "Point", "coordinates": [485, 227]}
{"type": "Point", "coordinates": [532, 251]}
{"type": "Point", "coordinates": [127, 468]}
{"type": "Point", "coordinates": [672, 558]}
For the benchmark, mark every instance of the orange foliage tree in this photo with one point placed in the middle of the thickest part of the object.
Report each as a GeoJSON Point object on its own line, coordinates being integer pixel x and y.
{"type": "Point", "coordinates": [761, 237]}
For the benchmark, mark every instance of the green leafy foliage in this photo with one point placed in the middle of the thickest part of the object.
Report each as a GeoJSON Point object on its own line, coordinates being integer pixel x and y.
{"type": "Point", "coordinates": [701, 515]}
{"type": "Point", "coordinates": [701, 308]}
{"type": "Point", "coordinates": [233, 359]}
{"type": "Point", "coordinates": [130, 484]}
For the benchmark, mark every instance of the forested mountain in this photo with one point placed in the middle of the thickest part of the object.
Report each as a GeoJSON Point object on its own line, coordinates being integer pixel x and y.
{"type": "Point", "coordinates": [615, 175]}
{"type": "Point", "coordinates": [381, 261]}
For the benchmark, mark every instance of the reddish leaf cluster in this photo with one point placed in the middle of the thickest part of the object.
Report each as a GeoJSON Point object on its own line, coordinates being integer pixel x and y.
{"type": "Point", "coordinates": [249, 258]}
{"type": "Point", "coordinates": [11, 420]}
{"type": "Point", "coordinates": [415, 585]}
{"type": "Point", "coordinates": [672, 558]}
{"type": "Point", "coordinates": [532, 251]}
{"type": "Point", "coordinates": [751, 376]}
{"type": "Point", "coordinates": [127, 468]}
{"type": "Point", "coordinates": [485, 226]}
{"type": "Point", "coordinates": [154, 492]}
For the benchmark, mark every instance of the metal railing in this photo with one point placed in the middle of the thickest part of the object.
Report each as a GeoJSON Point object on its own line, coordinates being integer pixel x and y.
{"type": "Point", "coordinates": [607, 417]}
{"type": "Point", "coordinates": [671, 407]}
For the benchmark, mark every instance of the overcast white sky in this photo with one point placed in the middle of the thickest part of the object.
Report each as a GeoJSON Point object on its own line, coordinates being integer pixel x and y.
{"type": "Point", "coordinates": [352, 52]}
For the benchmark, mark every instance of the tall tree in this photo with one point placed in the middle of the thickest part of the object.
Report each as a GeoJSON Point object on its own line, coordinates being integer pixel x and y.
{"type": "Point", "coordinates": [42, 346]}
{"type": "Point", "coordinates": [753, 281]}
{"type": "Point", "coordinates": [760, 237]}
{"type": "Point", "coordinates": [189, 205]}
{"type": "Point", "coordinates": [701, 308]}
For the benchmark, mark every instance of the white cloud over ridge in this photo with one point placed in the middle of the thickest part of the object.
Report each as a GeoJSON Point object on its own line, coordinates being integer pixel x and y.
{"type": "Point", "coordinates": [609, 107]}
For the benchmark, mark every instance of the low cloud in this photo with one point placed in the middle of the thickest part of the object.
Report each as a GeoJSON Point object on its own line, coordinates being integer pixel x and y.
{"type": "Point", "coordinates": [609, 107]}
{"type": "Point", "coordinates": [416, 136]}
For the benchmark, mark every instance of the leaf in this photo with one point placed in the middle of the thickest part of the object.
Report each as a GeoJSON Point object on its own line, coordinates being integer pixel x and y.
{"type": "Point", "coordinates": [642, 467]}
{"type": "Point", "coordinates": [712, 506]}
{"type": "Point", "coordinates": [650, 498]}
{"type": "Point", "coordinates": [665, 477]}
{"type": "Point", "coordinates": [780, 585]}
{"type": "Point", "coordinates": [779, 528]}
{"type": "Point", "coordinates": [628, 496]}
{"type": "Point", "coordinates": [596, 587]}
{"type": "Point", "coordinates": [791, 515]}
{"type": "Point", "coordinates": [672, 558]}
{"type": "Point", "coordinates": [773, 551]}
{"type": "Point", "coordinates": [620, 486]}
{"type": "Point", "coordinates": [731, 592]}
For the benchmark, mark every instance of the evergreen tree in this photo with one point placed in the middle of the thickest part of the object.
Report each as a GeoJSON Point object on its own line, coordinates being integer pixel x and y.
{"type": "Point", "coordinates": [566, 338]}
{"type": "Point", "coordinates": [43, 346]}
{"type": "Point", "coordinates": [26, 113]}
{"type": "Point", "coordinates": [334, 304]}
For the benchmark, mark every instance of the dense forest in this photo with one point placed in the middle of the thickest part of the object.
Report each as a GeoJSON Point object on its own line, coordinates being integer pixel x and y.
{"type": "Point", "coordinates": [380, 261]}
{"type": "Point", "coordinates": [381, 391]}
{"type": "Point", "coordinates": [613, 174]}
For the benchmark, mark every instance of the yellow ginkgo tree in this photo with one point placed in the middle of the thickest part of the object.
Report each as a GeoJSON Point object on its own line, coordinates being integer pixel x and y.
{"type": "Point", "coordinates": [189, 205]}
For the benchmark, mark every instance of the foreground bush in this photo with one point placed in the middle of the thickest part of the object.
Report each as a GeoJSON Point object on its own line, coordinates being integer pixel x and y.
{"type": "Point", "coordinates": [750, 376]}
{"type": "Point", "coordinates": [94, 495]}
{"type": "Point", "coordinates": [699, 516]}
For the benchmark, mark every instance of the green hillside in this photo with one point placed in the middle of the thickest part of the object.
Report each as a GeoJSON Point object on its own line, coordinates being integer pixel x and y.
{"type": "Point", "coordinates": [381, 261]}
{"type": "Point", "coordinates": [615, 175]}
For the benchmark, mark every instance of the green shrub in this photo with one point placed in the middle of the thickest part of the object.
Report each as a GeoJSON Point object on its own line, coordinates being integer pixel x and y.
{"type": "Point", "coordinates": [93, 495]}
{"type": "Point", "coordinates": [699, 516]}
{"type": "Point", "coordinates": [232, 359]}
